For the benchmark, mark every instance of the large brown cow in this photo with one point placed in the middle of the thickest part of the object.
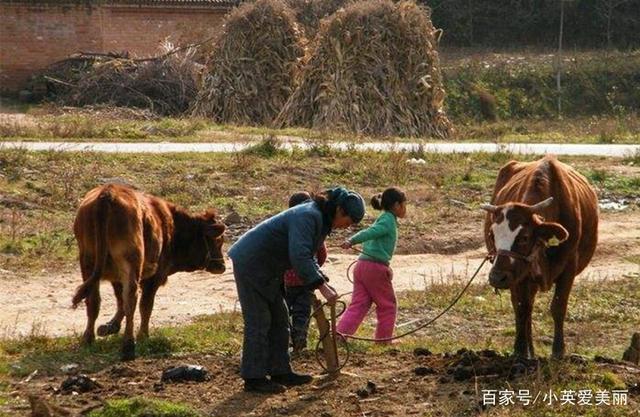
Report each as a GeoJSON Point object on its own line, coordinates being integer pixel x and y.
{"type": "Point", "coordinates": [137, 240]}
{"type": "Point", "coordinates": [542, 228]}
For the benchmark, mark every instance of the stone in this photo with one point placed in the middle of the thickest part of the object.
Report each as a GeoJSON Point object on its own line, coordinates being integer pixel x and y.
{"type": "Point", "coordinates": [632, 354]}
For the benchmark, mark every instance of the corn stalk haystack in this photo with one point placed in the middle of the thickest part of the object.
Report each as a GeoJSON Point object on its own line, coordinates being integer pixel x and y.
{"type": "Point", "coordinates": [250, 74]}
{"type": "Point", "coordinates": [373, 69]}
{"type": "Point", "coordinates": [166, 84]}
{"type": "Point", "coordinates": [309, 13]}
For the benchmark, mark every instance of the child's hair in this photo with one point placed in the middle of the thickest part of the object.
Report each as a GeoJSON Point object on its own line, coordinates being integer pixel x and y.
{"type": "Point", "coordinates": [386, 199]}
{"type": "Point", "coordinates": [298, 198]}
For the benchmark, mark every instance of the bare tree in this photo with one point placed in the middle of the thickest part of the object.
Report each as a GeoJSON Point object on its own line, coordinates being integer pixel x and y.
{"type": "Point", "coordinates": [607, 8]}
{"type": "Point", "coordinates": [559, 60]}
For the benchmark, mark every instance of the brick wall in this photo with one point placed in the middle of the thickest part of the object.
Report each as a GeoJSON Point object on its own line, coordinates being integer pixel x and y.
{"type": "Point", "coordinates": [34, 36]}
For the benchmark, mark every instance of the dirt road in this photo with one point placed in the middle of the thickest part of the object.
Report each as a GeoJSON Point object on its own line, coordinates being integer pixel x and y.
{"type": "Point", "coordinates": [41, 303]}
{"type": "Point", "coordinates": [290, 142]}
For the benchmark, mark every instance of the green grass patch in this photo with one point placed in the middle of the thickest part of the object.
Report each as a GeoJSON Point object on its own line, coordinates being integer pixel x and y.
{"type": "Point", "coordinates": [268, 147]}
{"type": "Point", "coordinates": [141, 407]}
{"type": "Point", "coordinates": [527, 89]}
{"type": "Point", "coordinates": [219, 333]}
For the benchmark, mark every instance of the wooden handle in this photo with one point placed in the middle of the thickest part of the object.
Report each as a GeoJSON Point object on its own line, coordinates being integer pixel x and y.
{"type": "Point", "coordinates": [327, 331]}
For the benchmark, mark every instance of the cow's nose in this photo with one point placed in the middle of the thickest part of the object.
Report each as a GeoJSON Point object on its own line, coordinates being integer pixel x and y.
{"type": "Point", "coordinates": [499, 279]}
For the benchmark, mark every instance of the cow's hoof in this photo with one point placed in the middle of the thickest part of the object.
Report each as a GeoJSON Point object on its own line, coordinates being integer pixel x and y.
{"type": "Point", "coordinates": [128, 351]}
{"type": "Point", "coordinates": [108, 328]}
{"type": "Point", "coordinates": [88, 340]}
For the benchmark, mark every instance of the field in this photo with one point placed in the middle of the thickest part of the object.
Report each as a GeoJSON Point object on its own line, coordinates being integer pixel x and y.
{"type": "Point", "coordinates": [197, 320]}
{"type": "Point", "coordinates": [447, 369]}
{"type": "Point", "coordinates": [440, 388]}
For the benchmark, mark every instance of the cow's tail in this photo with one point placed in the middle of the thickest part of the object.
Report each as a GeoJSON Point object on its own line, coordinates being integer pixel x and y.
{"type": "Point", "coordinates": [101, 220]}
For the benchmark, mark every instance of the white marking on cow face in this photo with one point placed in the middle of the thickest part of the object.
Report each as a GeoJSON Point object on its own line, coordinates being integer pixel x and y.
{"type": "Point", "coordinates": [503, 235]}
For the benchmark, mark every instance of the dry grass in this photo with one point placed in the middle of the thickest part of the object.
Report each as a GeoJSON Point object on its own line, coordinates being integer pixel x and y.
{"type": "Point", "coordinates": [123, 125]}
{"type": "Point", "coordinates": [40, 191]}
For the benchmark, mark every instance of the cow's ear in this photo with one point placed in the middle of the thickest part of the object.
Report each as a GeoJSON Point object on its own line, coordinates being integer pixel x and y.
{"type": "Point", "coordinates": [552, 234]}
{"type": "Point", "coordinates": [215, 229]}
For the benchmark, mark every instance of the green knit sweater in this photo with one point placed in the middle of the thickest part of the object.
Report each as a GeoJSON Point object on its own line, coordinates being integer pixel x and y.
{"type": "Point", "coordinates": [379, 240]}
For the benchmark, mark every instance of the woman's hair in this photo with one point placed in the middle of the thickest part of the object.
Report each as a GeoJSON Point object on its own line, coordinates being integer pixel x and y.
{"type": "Point", "coordinates": [298, 198]}
{"type": "Point", "coordinates": [386, 199]}
{"type": "Point", "coordinates": [324, 202]}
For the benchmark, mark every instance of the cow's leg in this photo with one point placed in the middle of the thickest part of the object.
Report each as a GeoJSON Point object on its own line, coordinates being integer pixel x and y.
{"type": "Point", "coordinates": [522, 297]}
{"type": "Point", "coordinates": [113, 325]}
{"type": "Point", "coordinates": [149, 288]}
{"type": "Point", "coordinates": [559, 311]}
{"type": "Point", "coordinates": [92, 301]}
{"type": "Point", "coordinates": [132, 269]}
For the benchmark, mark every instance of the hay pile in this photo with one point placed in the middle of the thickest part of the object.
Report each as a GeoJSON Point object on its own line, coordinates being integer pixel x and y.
{"type": "Point", "coordinates": [309, 13]}
{"type": "Point", "coordinates": [166, 85]}
{"type": "Point", "coordinates": [374, 69]}
{"type": "Point", "coordinates": [250, 74]}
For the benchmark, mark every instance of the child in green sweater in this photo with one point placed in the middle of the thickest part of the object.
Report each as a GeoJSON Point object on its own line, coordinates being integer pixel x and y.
{"type": "Point", "coordinates": [372, 275]}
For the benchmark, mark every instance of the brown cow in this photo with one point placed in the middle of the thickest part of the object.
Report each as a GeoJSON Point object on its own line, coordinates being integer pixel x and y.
{"type": "Point", "coordinates": [542, 228]}
{"type": "Point", "coordinates": [133, 239]}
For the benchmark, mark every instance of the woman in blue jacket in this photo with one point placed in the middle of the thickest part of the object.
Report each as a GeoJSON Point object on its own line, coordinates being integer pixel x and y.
{"type": "Point", "coordinates": [260, 257]}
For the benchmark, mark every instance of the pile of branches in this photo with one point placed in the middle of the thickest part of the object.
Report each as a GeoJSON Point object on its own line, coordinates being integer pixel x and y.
{"type": "Point", "coordinates": [250, 73]}
{"type": "Point", "coordinates": [166, 85]}
{"type": "Point", "coordinates": [373, 69]}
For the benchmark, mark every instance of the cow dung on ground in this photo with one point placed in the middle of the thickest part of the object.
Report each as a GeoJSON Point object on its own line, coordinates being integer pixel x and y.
{"type": "Point", "coordinates": [250, 72]}
{"type": "Point", "coordinates": [373, 68]}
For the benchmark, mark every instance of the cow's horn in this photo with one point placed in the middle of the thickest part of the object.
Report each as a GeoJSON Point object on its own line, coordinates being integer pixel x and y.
{"type": "Point", "coordinates": [489, 207]}
{"type": "Point", "coordinates": [536, 208]}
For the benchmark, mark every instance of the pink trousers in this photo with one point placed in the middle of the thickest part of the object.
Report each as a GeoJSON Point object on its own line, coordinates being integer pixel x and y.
{"type": "Point", "coordinates": [371, 284]}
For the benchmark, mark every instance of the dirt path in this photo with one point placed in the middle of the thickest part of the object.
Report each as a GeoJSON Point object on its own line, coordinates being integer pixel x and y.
{"type": "Point", "coordinates": [229, 147]}
{"type": "Point", "coordinates": [42, 303]}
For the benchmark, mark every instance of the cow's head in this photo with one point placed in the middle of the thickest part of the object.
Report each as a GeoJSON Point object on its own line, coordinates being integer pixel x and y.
{"type": "Point", "coordinates": [211, 244]}
{"type": "Point", "coordinates": [519, 235]}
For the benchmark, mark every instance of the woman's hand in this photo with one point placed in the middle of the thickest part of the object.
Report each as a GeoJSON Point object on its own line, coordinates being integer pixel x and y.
{"type": "Point", "coordinates": [329, 293]}
{"type": "Point", "coordinates": [346, 244]}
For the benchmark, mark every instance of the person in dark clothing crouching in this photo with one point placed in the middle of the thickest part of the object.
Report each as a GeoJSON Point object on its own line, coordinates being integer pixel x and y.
{"type": "Point", "coordinates": [260, 257]}
{"type": "Point", "coordinates": [299, 297]}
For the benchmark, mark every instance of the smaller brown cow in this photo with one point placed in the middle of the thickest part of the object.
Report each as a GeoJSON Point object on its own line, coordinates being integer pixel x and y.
{"type": "Point", "coordinates": [135, 240]}
{"type": "Point", "coordinates": [542, 228]}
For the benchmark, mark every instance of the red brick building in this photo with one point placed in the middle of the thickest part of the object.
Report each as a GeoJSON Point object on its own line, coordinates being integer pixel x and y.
{"type": "Point", "coordinates": [36, 33]}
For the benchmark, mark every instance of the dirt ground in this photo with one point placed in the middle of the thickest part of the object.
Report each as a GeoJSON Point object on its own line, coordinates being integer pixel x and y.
{"type": "Point", "coordinates": [42, 302]}
{"type": "Point", "coordinates": [390, 384]}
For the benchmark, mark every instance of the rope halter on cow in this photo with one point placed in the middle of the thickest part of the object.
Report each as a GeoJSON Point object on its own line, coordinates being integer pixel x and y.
{"type": "Point", "coordinates": [515, 255]}
{"type": "Point", "coordinates": [534, 253]}
{"type": "Point", "coordinates": [207, 257]}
